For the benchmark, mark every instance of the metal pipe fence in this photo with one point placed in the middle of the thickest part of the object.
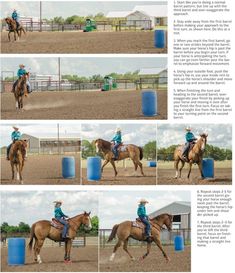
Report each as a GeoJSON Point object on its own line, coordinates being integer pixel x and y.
{"type": "Point", "coordinates": [167, 238]}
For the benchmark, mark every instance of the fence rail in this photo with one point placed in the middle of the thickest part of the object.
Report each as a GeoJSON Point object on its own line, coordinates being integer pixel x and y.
{"type": "Point", "coordinates": [167, 238]}
{"type": "Point", "coordinates": [105, 25]}
{"type": "Point", "coordinates": [159, 83]}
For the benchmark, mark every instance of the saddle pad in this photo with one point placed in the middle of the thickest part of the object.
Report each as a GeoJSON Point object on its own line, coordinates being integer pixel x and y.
{"type": "Point", "coordinates": [56, 224]}
{"type": "Point", "coordinates": [138, 224]}
{"type": "Point", "coordinates": [122, 148]}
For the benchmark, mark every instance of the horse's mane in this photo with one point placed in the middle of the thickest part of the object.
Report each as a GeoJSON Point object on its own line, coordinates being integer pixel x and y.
{"type": "Point", "coordinates": [158, 217]}
{"type": "Point", "coordinates": [106, 144]}
{"type": "Point", "coordinates": [77, 215]}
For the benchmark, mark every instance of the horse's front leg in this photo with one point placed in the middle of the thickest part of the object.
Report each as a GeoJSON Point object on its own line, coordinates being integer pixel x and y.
{"type": "Point", "coordinates": [68, 245]}
{"type": "Point", "coordinates": [15, 35]}
{"type": "Point", "coordinates": [20, 173]}
{"type": "Point", "coordinates": [114, 167]}
{"type": "Point", "coordinates": [190, 169]}
{"type": "Point", "coordinates": [181, 168]}
{"type": "Point", "coordinates": [158, 243]}
{"type": "Point", "coordinates": [148, 251]}
{"type": "Point", "coordinates": [201, 171]}
{"type": "Point", "coordinates": [9, 36]}
{"type": "Point", "coordinates": [176, 168]}
{"type": "Point", "coordinates": [12, 172]}
{"type": "Point", "coordinates": [104, 164]}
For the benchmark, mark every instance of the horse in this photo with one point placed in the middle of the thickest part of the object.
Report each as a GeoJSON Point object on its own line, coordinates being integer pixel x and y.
{"type": "Point", "coordinates": [20, 91]}
{"type": "Point", "coordinates": [43, 229]}
{"type": "Point", "coordinates": [127, 229]}
{"type": "Point", "coordinates": [195, 156]}
{"type": "Point", "coordinates": [16, 156]}
{"type": "Point", "coordinates": [132, 151]}
{"type": "Point", "coordinates": [12, 27]}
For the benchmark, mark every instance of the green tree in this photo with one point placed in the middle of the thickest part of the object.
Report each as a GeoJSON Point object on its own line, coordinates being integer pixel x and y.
{"type": "Point", "coordinates": [23, 227]}
{"type": "Point", "coordinates": [88, 149]}
{"type": "Point", "coordinates": [150, 150]}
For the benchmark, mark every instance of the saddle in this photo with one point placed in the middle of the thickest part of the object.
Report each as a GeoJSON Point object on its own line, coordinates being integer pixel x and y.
{"type": "Point", "coordinates": [56, 224]}
{"type": "Point", "coordinates": [139, 224]}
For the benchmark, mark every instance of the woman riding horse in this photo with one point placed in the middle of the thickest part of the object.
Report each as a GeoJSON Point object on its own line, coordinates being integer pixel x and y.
{"type": "Point", "coordinates": [129, 229]}
{"type": "Point", "coordinates": [20, 73]}
{"type": "Point", "coordinates": [60, 216]}
{"type": "Point", "coordinates": [15, 135]}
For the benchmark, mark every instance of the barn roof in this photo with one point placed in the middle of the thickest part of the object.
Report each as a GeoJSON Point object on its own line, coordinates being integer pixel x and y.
{"type": "Point", "coordinates": [178, 207]}
{"type": "Point", "coordinates": [151, 70]}
{"type": "Point", "coordinates": [152, 10]}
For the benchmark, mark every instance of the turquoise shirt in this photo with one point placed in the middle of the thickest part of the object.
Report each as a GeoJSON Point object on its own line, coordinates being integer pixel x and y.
{"type": "Point", "coordinates": [117, 138]}
{"type": "Point", "coordinates": [15, 16]}
{"type": "Point", "coordinates": [15, 135]}
{"type": "Point", "coordinates": [21, 72]}
{"type": "Point", "coordinates": [189, 136]}
{"type": "Point", "coordinates": [59, 213]}
{"type": "Point", "coordinates": [141, 212]}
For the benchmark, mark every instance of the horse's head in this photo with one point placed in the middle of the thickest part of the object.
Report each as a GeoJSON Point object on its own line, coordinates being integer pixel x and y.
{"type": "Point", "coordinates": [98, 145]}
{"type": "Point", "coordinates": [86, 220]}
{"type": "Point", "coordinates": [9, 21]}
{"type": "Point", "coordinates": [203, 141]}
{"type": "Point", "coordinates": [168, 219]}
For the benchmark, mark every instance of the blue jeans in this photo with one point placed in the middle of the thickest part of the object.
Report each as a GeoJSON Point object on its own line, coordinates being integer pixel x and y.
{"type": "Point", "coordinates": [66, 226]}
{"type": "Point", "coordinates": [186, 148]}
{"type": "Point", "coordinates": [115, 150]}
{"type": "Point", "coordinates": [147, 225]}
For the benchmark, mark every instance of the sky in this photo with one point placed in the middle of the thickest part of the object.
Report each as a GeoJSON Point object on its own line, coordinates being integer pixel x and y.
{"type": "Point", "coordinates": [138, 134]}
{"type": "Point", "coordinates": [118, 206]}
{"type": "Point", "coordinates": [52, 9]}
{"type": "Point", "coordinates": [219, 135]}
{"type": "Point", "coordinates": [31, 206]}
{"type": "Point", "coordinates": [39, 130]}
{"type": "Point", "coordinates": [82, 66]}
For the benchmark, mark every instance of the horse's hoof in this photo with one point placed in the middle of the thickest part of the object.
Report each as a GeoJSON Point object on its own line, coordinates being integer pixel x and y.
{"type": "Point", "coordinates": [21, 182]}
{"type": "Point", "coordinates": [133, 258]}
{"type": "Point", "coordinates": [168, 259]}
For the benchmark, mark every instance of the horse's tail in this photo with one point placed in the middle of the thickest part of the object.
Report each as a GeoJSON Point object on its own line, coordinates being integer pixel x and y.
{"type": "Point", "coordinates": [32, 236]}
{"type": "Point", "coordinates": [141, 153]}
{"type": "Point", "coordinates": [113, 233]}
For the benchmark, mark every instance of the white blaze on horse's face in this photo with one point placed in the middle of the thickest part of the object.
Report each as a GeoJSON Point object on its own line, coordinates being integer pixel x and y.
{"type": "Point", "coordinates": [97, 149]}
{"type": "Point", "coordinates": [203, 145]}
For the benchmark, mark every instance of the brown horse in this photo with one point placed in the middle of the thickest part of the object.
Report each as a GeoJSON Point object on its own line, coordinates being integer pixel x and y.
{"type": "Point", "coordinates": [12, 27]}
{"type": "Point", "coordinates": [43, 229]}
{"type": "Point", "coordinates": [195, 156]}
{"type": "Point", "coordinates": [131, 151]}
{"type": "Point", "coordinates": [16, 156]}
{"type": "Point", "coordinates": [21, 91]}
{"type": "Point", "coordinates": [126, 230]}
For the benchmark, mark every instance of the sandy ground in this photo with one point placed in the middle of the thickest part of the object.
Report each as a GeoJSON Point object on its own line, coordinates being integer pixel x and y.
{"type": "Point", "coordinates": [223, 176]}
{"type": "Point", "coordinates": [41, 169]}
{"type": "Point", "coordinates": [81, 105]}
{"type": "Point", "coordinates": [79, 42]}
{"type": "Point", "coordinates": [84, 259]}
{"type": "Point", "coordinates": [124, 177]}
{"type": "Point", "coordinates": [180, 261]}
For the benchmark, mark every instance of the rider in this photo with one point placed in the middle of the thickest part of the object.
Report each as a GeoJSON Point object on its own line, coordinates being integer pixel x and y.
{"type": "Point", "coordinates": [15, 135]}
{"type": "Point", "coordinates": [15, 16]}
{"type": "Point", "coordinates": [189, 136]}
{"type": "Point", "coordinates": [117, 140]}
{"type": "Point", "coordinates": [21, 71]}
{"type": "Point", "coordinates": [60, 217]}
{"type": "Point", "coordinates": [141, 212]}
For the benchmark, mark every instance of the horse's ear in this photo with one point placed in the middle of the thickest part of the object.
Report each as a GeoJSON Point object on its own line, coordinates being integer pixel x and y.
{"type": "Point", "coordinates": [89, 213]}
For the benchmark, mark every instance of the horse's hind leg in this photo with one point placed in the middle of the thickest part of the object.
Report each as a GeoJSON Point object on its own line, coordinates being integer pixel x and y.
{"type": "Point", "coordinates": [141, 167]}
{"type": "Point", "coordinates": [190, 169]}
{"type": "Point", "coordinates": [38, 248]}
{"type": "Point", "coordinates": [118, 244]}
{"type": "Point", "coordinates": [20, 173]}
{"type": "Point", "coordinates": [127, 251]}
{"type": "Point", "coordinates": [35, 250]}
{"type": "Point", "coordinates": [9, 37]}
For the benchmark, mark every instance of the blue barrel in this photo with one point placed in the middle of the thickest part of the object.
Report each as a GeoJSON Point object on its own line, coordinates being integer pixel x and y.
{"type": "Point", "coordinates": [16, 251]}
{"type": "Point", "coordinates": [159, 38]}
{"type": "Point", "coordinates": [149, 103]}
{"type": "Point", "coordinates": [179, 243]}
{"type": "Point", "coordinates": [93, 168]}
{"type": "Point", "coordinates": [152, 164]}
{"type": "Point", "coordinates": [208, 167]}
{"type": "Point", "coordinates": [68, 167]}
